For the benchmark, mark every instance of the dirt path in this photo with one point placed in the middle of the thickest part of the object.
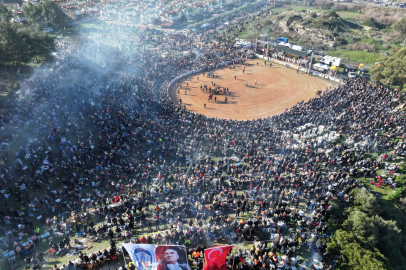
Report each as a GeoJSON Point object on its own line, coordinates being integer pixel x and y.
{"type": "Point", "coordinates": [277, 87]}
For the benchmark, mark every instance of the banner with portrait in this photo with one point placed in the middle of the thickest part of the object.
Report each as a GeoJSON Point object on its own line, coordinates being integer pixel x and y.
{"type": "Point", "coordinates": [158, 257]}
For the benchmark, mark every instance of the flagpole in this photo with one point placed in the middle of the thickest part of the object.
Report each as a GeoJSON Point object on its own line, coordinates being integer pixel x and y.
{"type": "Point", "coordinates": [122, 251]}
{"type": "Point", "coordinates": [232, 268]}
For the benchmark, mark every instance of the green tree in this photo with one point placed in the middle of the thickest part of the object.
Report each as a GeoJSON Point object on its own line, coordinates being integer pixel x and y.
{"type": "Point", "coordinates": [355, 255]}
{"type": "Point", "coordinates": [45, 14]}
{"type": "Point", "coordinates": [19, 44]}
{"type": "Point", "coordinates": [5, 14]}
{"type": "Point", "coordinates": [366, 202]}
{"type": "Point", "coordinates": [371, 233]}
{"type": "Point", "coordinates": [363, 259]}
{"type": "Point", "coordinates": [400, 26]}
{"type": "Point", "coordinates": [392, 68]}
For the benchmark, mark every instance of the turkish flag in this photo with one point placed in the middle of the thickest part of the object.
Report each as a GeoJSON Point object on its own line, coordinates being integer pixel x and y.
{"type": "Point", "coordinates": [215, 258]}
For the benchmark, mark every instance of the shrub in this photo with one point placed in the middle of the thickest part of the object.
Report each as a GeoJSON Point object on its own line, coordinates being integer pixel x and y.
{"type": "Point", "coordinates": [395, 196]}
{"type": "Point", "coordinates": [339, 7]}
{"type": "Point", "coordinates": [332, 14]}
{"type": "Point", "coordinates": [370, 22]}
{"type": "Point", "coordinates": [326, 5]}
{"type": "Point", "coordinates": [400, 180]}
{"type": "Point", "coordinates": [362, 47]}
{"type": "Point", "coordinates": [267, 23]}
{"type": "Point", "coordinates": [340, 41]}
{"type": "Point", "coordinates": [355, 8]}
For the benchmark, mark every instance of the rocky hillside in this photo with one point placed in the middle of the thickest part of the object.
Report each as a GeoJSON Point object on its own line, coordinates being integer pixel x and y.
{"type": "Point", "coordinates": [323, 27]}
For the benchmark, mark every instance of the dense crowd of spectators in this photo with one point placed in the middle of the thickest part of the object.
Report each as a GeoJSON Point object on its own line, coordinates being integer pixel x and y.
{"type": "Point", "coordinates": [98, 136]}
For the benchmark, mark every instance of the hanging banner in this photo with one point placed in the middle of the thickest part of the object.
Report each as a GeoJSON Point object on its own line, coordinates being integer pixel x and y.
{"type": "Point", "coordinates": [215, 258]}
{"type": "Point", "coordinates": [158, 257]}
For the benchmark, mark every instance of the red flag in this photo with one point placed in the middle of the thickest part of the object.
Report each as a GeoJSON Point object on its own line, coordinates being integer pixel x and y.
{"type": "Point", "coordinates": [215, 258]}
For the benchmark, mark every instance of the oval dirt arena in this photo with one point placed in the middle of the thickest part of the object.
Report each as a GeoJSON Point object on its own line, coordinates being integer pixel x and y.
{"type": "Point", "coordinates": [277, 87]}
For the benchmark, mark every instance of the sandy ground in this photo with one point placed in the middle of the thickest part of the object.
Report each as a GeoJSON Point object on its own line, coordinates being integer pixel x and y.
{"type": "Point", "coordinates": [277, 87]}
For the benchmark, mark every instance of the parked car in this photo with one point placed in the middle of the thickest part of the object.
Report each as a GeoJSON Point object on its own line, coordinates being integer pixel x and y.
{"type": "Point", "coordinates": [352, 75]}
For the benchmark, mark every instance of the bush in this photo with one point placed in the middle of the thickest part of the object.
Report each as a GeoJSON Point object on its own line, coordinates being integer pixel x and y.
{"type": "Point", "coordinates": [326, 5]}
{"type": "Point", "coordinates": [332, 14]}
{"type": "Point", "coordinates": [313, 15]}
{"type": "Point", "coordinates": [370, 22]}
{"type": "Point", "coordinates": [395, 196]}
{"type": "Point", "coordinates": [340, 41]}
{"type": "Point", "coordinates": [355, 8]}
{"type": "Point", "coordinates": [362, 47]}
{"type": "Point", "coordinates": [400, 179]}
{"type": "Point", "coordinates": [383, 16]}
{"type": "Point", "coordinates": [267, 23]}
{"type": "Point", "coordinates": [339, 7]}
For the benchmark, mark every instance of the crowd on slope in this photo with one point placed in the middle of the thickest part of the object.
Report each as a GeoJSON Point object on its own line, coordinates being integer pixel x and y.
{"type": "Point", "coordinates": [114, 138]}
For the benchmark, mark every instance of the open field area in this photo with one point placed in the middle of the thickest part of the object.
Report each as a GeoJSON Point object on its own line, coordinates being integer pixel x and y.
{"type": "Point", "coordinates": [277, 87]}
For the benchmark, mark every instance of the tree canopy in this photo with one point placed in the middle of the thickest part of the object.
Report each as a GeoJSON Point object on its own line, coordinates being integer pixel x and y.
{"type": "Point", "coordinates": [367, 238]}
{"type": "Point", "coordinates": [20, 44]}
{"type": "Point", "coordinates": [45, 14]}
{"type": "Point", "coordinates": [400, 26]}
{"type": "Point", "coordinates": [391, 68]}
{"type": "Point", "coordinates": [5, 14]}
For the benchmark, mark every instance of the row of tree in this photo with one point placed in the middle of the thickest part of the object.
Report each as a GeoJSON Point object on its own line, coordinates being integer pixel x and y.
{"type": "Point", "coordinates": [19, 43]}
